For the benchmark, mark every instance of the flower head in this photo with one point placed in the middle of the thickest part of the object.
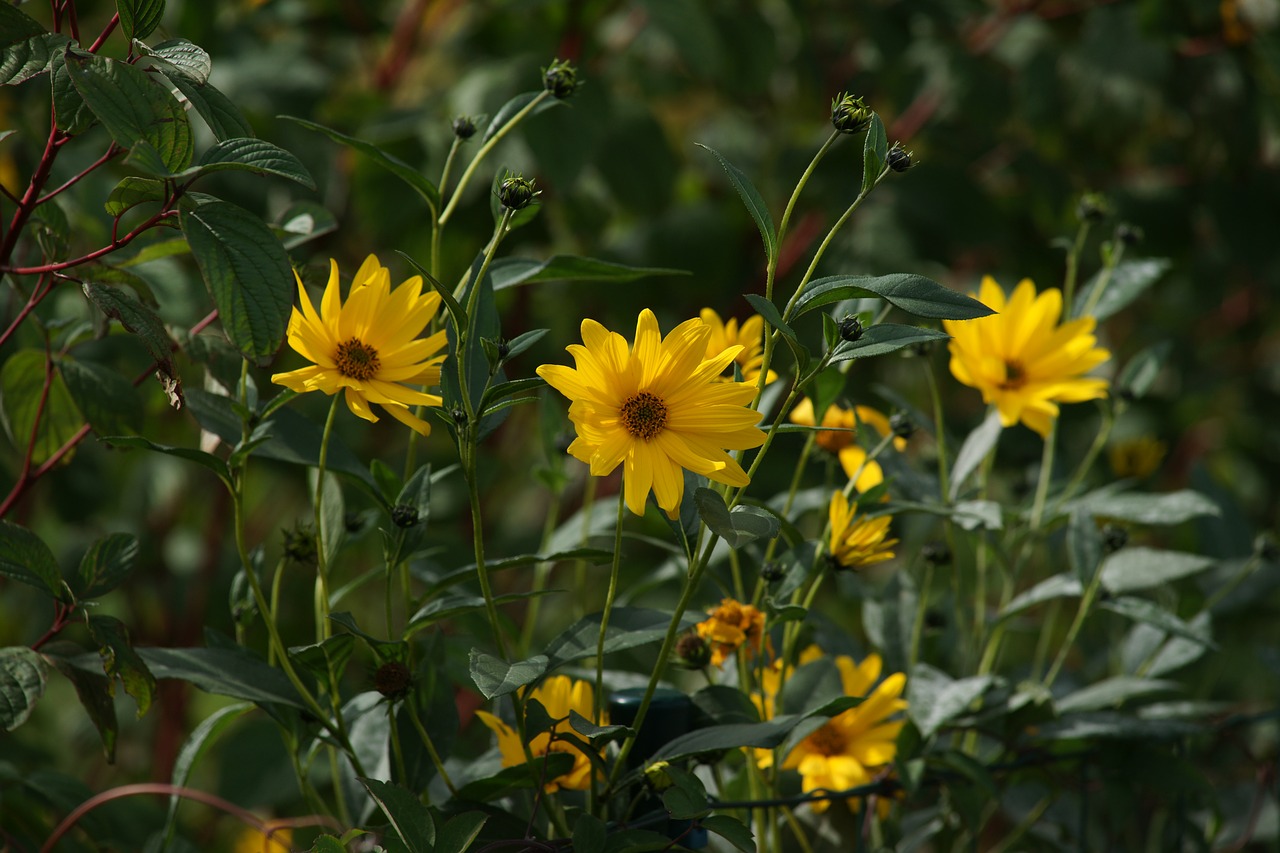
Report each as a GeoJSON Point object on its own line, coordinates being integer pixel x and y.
{"type": "Point", "coordinates": [841, 754]}
{"type": "Point", "coordinates": [853, 459]}
{"type": "Point", "coordinates": [559, 694]}
{"type": "Point", "coordinates": [857, 543]}
{"type": "Point", "coordinates": [1022, 361]}
{"type": "Point", "coordinates": [732, 625]}
{"type": "Point", "coordinates": [1138, 457]}
{"type": "Point", "coordinates": [368, 347]}
{"type": "Point", "coordinates": [750, 336]}
{"type": "Point", "coordinates": [657, 407]}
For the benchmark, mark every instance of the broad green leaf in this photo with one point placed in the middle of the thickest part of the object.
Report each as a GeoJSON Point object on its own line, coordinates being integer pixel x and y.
{"type": "Point", "coordinates": [73, 114]}
{"type": "Point", "coordinates": [409, 817]}
{"type": "Point", "coordinates": [247, 154]}
{"type": "Point", "coordinates": [1084, 546]}
{"type": "Point", "coordinates": [766, 309]}
{"type": "Point", "coordinates": [225, 672]}
{"type": "Point", "coordinates": [24, 557]}
{"type": "Point", "coordinates": [1111, 692]}
{"type": "Point", "coordinates": [715, 514]}
{"type": "Point", "coordinates": [449, 606]}
{"type": "Point", "coordinates": [628, 627]}
{"type": "Point", "coordinates": [598, 735]}
{"type": "Point", "coordinates": [16, 25]}
{"type": "Point", "coordinates": [195, 747]}
{"type": "Point", "coordinates": [303, 221]}
{"type": "Point", "coordinates": [155, 251]}
{"type": "Point", "coordinates": [971, 515]}
{"type": "Point", "coordinates": [977, 446]}
{"type": "Point", "coordinates": [589, 834]}
{"type": "Point", "coordinates": [495, 677]}
{"type": "Point", "coordinates": [33, 418]}
{"type": "Point", "coordinates": [94, 690]}
{"type": "Point", "coordinates": [519, 776]}
{"type": "Point", "coordinates": [52, 230]}
{"type": "Point", "coordinates": [1166, 509]}
{"type": "Point", "coordinates": [138, 18]}
{"type": "Point", "coordinates": [248, 273]}
{"type": "Point", "coordinates": [1127, 282]}
{"type": "Point", "coordinates": [915, 294]}
{"type": "Point", "coordinates": [143, 322]}
{"type": "Point", "coordinates": [732, 830]}
{"type": "Point", "coordinates": [108, 401]}
{"type": "Point", "coordinates": [1178, 652]}
{"type": "Point", "coordinates": [765, 735]}
{"type": "Point", "coordinates": [133, 191]}
{"type": "Point", "coordinates": [23, 674]}
{"type": "Point", "coordinates": [510, 272]}
{"type": "Point", "coordinates": [1049, 589]}
{"type": "Point", "coordinates": [325, 660]}
{"type": "Point", "coordinates": [208, 460]}
{"type": "Point", "coordinates": [885, 338]}
{"type": "Point", "coordinates": [391, 163]}
{"type": "Point", "coordinates": [752, 522]}
{"type": "Point", "coordinates": [875, 152]}
{"type": "Point", "coordinates": [682, 804]}
{"type": "Point", "coordinates": [105, 565]}
{"type": "Point", "coordinates": [1113, 724]}
{"type": "Point", "coordinates": [507, 389]}
{"type": "Point", "coordinates": [134, 106]}
{"type": "Point", "coordinates": [460, 831]}
{"type": "Point", "coordinates": [753, 200]}
{"type": "Point", "coordinates": [22, 61]}
{"type": "Point", "coordinates": [180, 56]}
{"type": "Point", "coordinates": [1132, 569]}
{"type": "Point", "coordinates": [333, 526]}
{"type": "Point", "coordinates": [936, 698]}
{"type": "Point", "coordinates": [218, 111]}
{"type": "Point", "coordinates": [120, 660]}
{"type": "Point", "coordinates": [1150, 613]}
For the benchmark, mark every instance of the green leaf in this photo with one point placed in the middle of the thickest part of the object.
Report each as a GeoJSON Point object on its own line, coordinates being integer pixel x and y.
{"type": "Point", "coordinates": [977, 446]}
{"type": "Point", "coordinates": [599, 736]}
{"type": "Point", "coordinates": [885, 338]}
{"type": "Point", "coordinates": [328, 844]}
{"type": "Point", "coordinates": [1137, 377]}
{"type": "Point", "coordinates": [325, 660]}
{"type": "Point", "coordinates": [936, 698]}
{"type": "Point", "coordinates": [682, 804]}
{"type": "Point", "coordinates": [16, 25]}
{"type": "Point", "coordinates": [247, 154]}
{"type": "Point", "coordinates": [1084, 546]}
{"type": "Point", "coordinates": [120, 660]}
{"type": "Point", "coordinates": [732, 830]}
{"type": "Point", "coordinates": [208, 460]}
{"type": "Point", "coordinates": [224, 671]}
{"type": "Point", "coordinates": [449, 606]}
{"type": "Point", "coordinates": [1150, 613]}
{"type": "Point", "coordinates": [134, 106]}
{"type": "Point", "coordinates": [143, 322]}
{"type": "Point", "coordinates": [296, 439]}
{"type": "Point", "coordinates": [195, 747]}
{"type": "Point", "coordinates": [1049, 589]}
{"type": "Point", "coordinates": [218, 111]}
{"type": "Point", "coordinates": [303, 221]}
{"type": "Point", "coordinates": [23, 60]}
{"type": "Point", "coordinates": [392, 164]}
{"type": "Point", "coordinates": [94, 690]}
{"type": "Point", "coordinates": [409, 817]}
{"type": "Point", "coordinates": [629, 627]}
{"type": "Point", "coordinates": [105, 565]}
{"type": "Point", "coordinates": [510, 272]}
{"type": "Point", "coordinates": [460, 832]}
{"type": "Point", "coordinates": [519, 776]}
{"type": "Point", "coordinates": [52, 230]}
{"type": "Point", "coordinates": [248, 273]}
{"type": "Point", "coordinates": [1167, 509]}
{"type": "Point", "coordinates": [1111, 692]}
{"type": "Point", "coordinates": [138, 18]}
{"type": "Point", "coordinates": [1127, 283]}
{"type": "Point", "coordinates": [133, 191]}
{"type": "Point", "coordinates": [875, 151]}
{"type": "Point", "coordinates": [589, 834]}
{"type": "Point", "coordinates": [24, 557]}
{"type": "Point", "coordinates": [23, 674]}
{"type": "Point", "coordinates": [1113, 724]}
{"type": "Point", "coordinates": [915, 294]}
{"type": "Point", "coordinates": [765, 735]}
{"type": "Point", "coordinates": [507, 389]}
{"type": "Point", "coordinates": [74, 115]}
{"type": "Point", "coordinates": [181, 57]}
{"type": "Point", "coordinates": [753, 200]}
{"type": "Point", "coordinates": [456, 311]}
{"type": "Point", "coordinates": [107, 400]}
{"type": "Point", "coordinates": [1132, 569]}
{"type": "Point", "coordinates": [766, 309]}
{"type": "Point", "coordinates": [496, 677]}
{"type": "Point", "coordinates": [31, 417]}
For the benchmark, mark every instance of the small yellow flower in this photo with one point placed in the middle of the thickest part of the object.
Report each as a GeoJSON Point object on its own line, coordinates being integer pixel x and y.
{"type": "Point", "coordinates": [732, 625]}
{"type": "Point", "coordinates": [369, 348]}
{"type": "Point", "coordinates": [559, 694]}
{"type": "Point", "coordinates": [1022, 360]}
{"type": "Point", "coordinates": [853, 458]}
{"type": "Point", "coordinates": [842, 754]}
{"type": "Point", "coordinates": [1139, 457]}
{"type": "Point", "coordinates": [656, 406]}
{"type": "Point", "coordinates": [750, 337]}
{"type": "Point", "coordinates": [856, 543]}
{"type": "Point", "coordinates": [251, 840]}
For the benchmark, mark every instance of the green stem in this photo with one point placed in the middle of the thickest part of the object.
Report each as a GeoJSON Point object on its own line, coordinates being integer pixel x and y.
{"type": "Point", "coordinates": [1073, 267]}
{"type": "Point", "coordinates": [485, 149]}
{"type": "Point", "coordinates": [1104, 278]}
{"type": "Point", "coordinates": [322, 561]}
{"type": "Point", "coordinates": [1099, 441]}
{"type": "Point", "coordinates": [477, 542]}
{"type": "Point", "coordinates": [917, 627]}
{"type": "Point", "coordinates": [1086, 602]}
{"type": "Point", "coordinates": [580, 566]}
{"type": "Point", "coordinates": [939, 432]}
{"type": "Point", "coordinates": [430, 745]}
{"type": "Point", "coordinates": [1046, 475]}
{"type": "Point", "coordinates": [614, 570]}
{"type": "Point", "coordinates": [473, 300]}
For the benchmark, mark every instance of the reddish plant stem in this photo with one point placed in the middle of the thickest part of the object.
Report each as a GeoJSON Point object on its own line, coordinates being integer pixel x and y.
{"type": "Point", "coordinates": [61, 619]}
{"type": "Point", "coordinates": [112, 151]}
{"type": "Point", "coordinates": [404, 38]}
{"type": "Point", "coordinates": [266, 827]}
{"type": "Point", "coordinates": [116, 243]}
{"type": "Point", "coordinates": [42, 289]}
{"type": "Point", "coordinates": [106, 31]}
{"type": "Point", "coordinates": [27, 204]}
{"type": "Point", "coordinates": [72, 20]}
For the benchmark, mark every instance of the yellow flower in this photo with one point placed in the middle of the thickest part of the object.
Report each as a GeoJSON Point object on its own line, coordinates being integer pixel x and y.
{"type": "Point", "coordinates": [251, 840]}
{"type": "Point", "coordinates": [657, 407]}
{"type": "Point", "coordinates": [750, 337]}
{"type": "Point", "coordinates": [841, 754]}
{"type": "Point", "coordinates": [857, 542]}
{"type": "Point", "coordinates": [368, 347]}
{"type": "Point", "coordinates": [1139, 457]}
{"type": "Point", "coordinates": [1022, 361]}
{"type": "Point", "coordinates": [853, 458]}
{"type": "Point", "coordinates": [559, 694]}
{"type": "Point", "coordinates": [731, 626]}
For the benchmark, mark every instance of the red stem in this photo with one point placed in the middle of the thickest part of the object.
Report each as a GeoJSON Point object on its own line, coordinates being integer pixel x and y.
{"type": "Point", "coordinates": [266, 827]}
{"type": "Point", "coordinates": [112, 151]}
{"type": "Point", "coordinates": [106, 31]}
{"type": "Point", "coordinates": [29, 199]}
{"type": "Point", "coordinates": [37, 296]}
{"type": "Point", "coordinates": [72, 20]}
{"type": "Point", "coordinates": [61, 618]}
{"type": "Point", "coordinates": [116, 243]}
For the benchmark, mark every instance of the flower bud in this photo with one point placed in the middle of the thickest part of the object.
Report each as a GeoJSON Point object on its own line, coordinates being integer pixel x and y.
{"type": "Point", "coordinates": [516, 191]}
{"type": "Point", "coordinates": [899, 158]}
{"type": "Point", "coordinates": [936, 553]}
{"type": "Point", "coordinates": [404, 515]}
{"type": "Point", "coordinates": [850, 329]}
{"type": "Point", "coordinates": [1129, 235]}
{"type": "Point", "coordinates": [692, 651]}
{"type": "Point", "coordinates": [560, 79]}
{"type": "Point", "coordinates": [464, 127]}
{"type": "Point", "coordinates": [849, 114]}
{"type": "Point", "coordinates": [901, 425]}
{"type": "Point", "coordinates": [300, 545]}
{"type": "Point", "coordinates": [392, 679]}
{"type": "Point", "coordinates": [658, 775]}
{"type": "Point", "coordinates": [1093, 207]}
{"type": "Point", "coordinates": [459, 416]}
{"type": "Point", "coordinates": [1114, 537]}
{"type": "Point", "coordinates": [772, 572]}
{"type": "Point", "coordinates": [504, 349]}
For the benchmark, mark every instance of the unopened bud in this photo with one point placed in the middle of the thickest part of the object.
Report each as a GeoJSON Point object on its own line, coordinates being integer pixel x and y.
{"type": "Point", "coordinates": [899, 158]}
{"type": "Point", "coordinates": [936, 553]}
{"type": "Point", "coordinates": [1129, 235]}
{"type": "Point", "coordinates": [404, 515]}
{"type": "Point", "coordinates": [772, 572]}
{"type": "Point", "coordinates": [1114, 537]}
{"type": "Point", "coordinates": [560, 79]}
{"type": "Point", "coordinates": [849, 114]}
{"type": "Point", "coordinates": [1092, 207]}
{"type": "Point", "coordinates": [692, 651]}
{"type": "Point", "coordinates": [901, 425]}
{"type": "Point", "coordinates": [300, 545]}
{"type": "Point", "coordinates": [392, 679]}
{"type": "Point", "coordinates": [850, 329]}
{"type": "Point", "coordinates": [464, 127]}
{"type": "Point", "coordinates": [516, 191]}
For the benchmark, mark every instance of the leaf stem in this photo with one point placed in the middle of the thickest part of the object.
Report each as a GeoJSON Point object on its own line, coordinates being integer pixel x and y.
{"type": "Point", "coordinates": [322, 561]}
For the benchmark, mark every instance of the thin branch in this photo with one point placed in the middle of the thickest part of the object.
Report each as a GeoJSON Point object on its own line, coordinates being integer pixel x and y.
{"type": "Point", "coordinates": [106, 31]}
{"type": "Point", "coordinates": [112, 151]}
{"type": "Point", "coordinates": [116, 243]}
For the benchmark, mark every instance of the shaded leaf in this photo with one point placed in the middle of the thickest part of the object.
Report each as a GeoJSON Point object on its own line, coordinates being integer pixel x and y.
{"type": "Point", "coordinates": [1111, 692]}
{"type": "Point", "coordinates": [1166, 509]}
{"type": "Point", "coordinates": [1127, 282]}
{"type": "Point", "coordinates": [26, 59]}
{"type": "Point", "coordinates": [24, 557]}
{"type": "Point", "coordinates": [208, 460]}
{"type": "Point", "coordinates": [391, 163]}
{"type": "Point", "coordinates": [45, 422]}
{"type": "Point", "coordinates": [409, 817]}
{"type": "Point", "coordinates": [182, 57]}
{"type": "Point", "coordinates": [93, 689]}
{"type": "Point", "coordinates": [629, 627]}
{"type": "Point", "coordinates": [138, 18]}
{"type": "Point", "coordinates": [1150, 613]}
{"type": "Point", "coordinates": [1049, 589]}
{"type": "Point", "coordinates": [23, 674]}
{"type": "Point", "coordinates": [875, 152]}
{"type": "Point", "coordinates": [120, 660]}
{"type": "Point", "coordinates": [1138, 568]}
{"type": "Point", "coordinates": [884, 338]}
{"type": "Point", "coordinates": [106, 564]}
{"type": "Point", "coordinates": [936, 698]}
{"type": "Point", "coordinates": [218, 111]}
{"type": "Point", "coordinates": [495, 677]}
{"type": "Point", "coordinates": [510, 272]}
{"type": "Point", "coordinates": [916, 294]}
{"type": "Point", "coordinates": [143, 322]}
{"type": "Point", "coordinates": [977, 445]}
{"type": "Point", "coordinates": [460, 831]}
{"type": "Point", "coordinates": [225, 672]}
{"type": "Point", "coordinates": [109, 402]}
{"type": "Point", "coordinates": [753, 200]}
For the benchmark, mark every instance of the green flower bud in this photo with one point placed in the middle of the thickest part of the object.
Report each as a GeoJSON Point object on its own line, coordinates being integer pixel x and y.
{"type": "Point", "coordinates": [850, 329]}
{"type": "Point", "coordinates": [899, 158]}
{"type": "Point", "coordinates": [560, 79]}
{"type": "Point", "coordinates": [300, 545]}
{"type": "Point", "coordinates": [464, 127]}
{"type": "Point", "coordinates": [850, 114]}
{"type": "Point", "coordinates": [516, 192]}
{"type": "Point", "coordinates": [1093, 207]}
{"type": "Point", "coordinates": [1129, 235]}
{"type": "Point", "coordinates": [404, 515]}
{"type": "Point", "coordinates": [901, 425]}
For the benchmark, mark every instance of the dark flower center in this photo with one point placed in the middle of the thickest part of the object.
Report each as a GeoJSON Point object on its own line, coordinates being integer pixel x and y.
{"type": "Point", "coordinates": [1015, 376]}
{"type": "Point", "coordinates": [643, 415]}
{"type": "Point", "coordinates": [827, 741]}
{"type": "Point", "coordinates": [357, 359]}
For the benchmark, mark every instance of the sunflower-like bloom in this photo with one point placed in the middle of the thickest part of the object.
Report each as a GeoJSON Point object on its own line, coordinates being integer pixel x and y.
{"type": "Point", "coordinates": [857, 542]}
{"type": "Point", "coordinates": [253, 840]}
{"type": "Point", "coordinates": [750, 336]}
{"type": "Point", "coordinates": [658, 407]}
{"type": "Point", "coordinates": [559, 694]}
{"type": "Point", "coordinates": [1022, 361]}
{"type": "Point", "coordinates": [369, 347]}
{"type": "Point", "coordinates": [842, 754]}
{"type": "Point", "coordinates": [1138, 457]}
{"type": "Point", "coordinates": [853, 458]}
{"type": "Point", "coordinates": [732, 625]}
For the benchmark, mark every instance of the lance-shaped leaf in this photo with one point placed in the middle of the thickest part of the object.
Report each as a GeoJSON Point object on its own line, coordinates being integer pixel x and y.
{"type": "Point", "coordinates": [885, 338]}
{"type": "Point", "coordinates": [179, 56]}
{"type": "Point", "coordinates": [914, 294]}
{"type": "Point", "coordinates": [24, 557]}
{"type": "Point", "coordinates": [509, 272]}
{"type": "Point", "coordinates": [145, 323]}
{"type": "Point", "coordinates": [218, 111]}
{"type": "Point", "coordinates": [139, 18]}
{"type": "Point", "coordinates": [495, 677]}
{"type": "Point", "coordinates": [24, 60]}
{"type": "Point", "coordinates": [875, 152]}
{"type": "Point", "coordinates": [108, 401]}
{"type": "Point", "coordinates": [106, 564]}
{"type": "Point", "coordinates": [391, 163]}
{"type": "Point", "coordinates": [753, 200]}
{"type": "Point", "coordinates": [1124, 284]}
